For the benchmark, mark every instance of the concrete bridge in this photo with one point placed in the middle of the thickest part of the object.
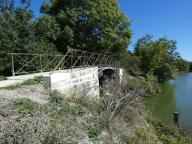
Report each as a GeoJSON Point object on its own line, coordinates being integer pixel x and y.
{"type": "Point", "coordinates": [77, 71]}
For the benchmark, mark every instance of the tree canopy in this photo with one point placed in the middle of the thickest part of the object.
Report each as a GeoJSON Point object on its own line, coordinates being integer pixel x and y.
{"type": "Point", "coordinates": [92, 25]}
{"type": "Point", "coordinates": [159, 57]}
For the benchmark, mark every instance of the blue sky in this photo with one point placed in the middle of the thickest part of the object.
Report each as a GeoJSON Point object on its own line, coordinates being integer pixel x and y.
{"type": "Point", "coordinates": [160, 18]}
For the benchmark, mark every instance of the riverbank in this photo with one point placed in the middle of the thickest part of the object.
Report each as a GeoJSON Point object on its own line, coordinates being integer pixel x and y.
{"type": "Point", "coordinates": [118, 117]}
{"type": "Point", "coordinates": [175, 96]}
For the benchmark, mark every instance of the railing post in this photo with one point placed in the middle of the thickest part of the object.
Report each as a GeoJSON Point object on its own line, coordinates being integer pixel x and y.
{"type": "Point", "coordinates": [176, 118]}
{"type": "Point", "coordinates": [13, 66]}
{"type": "Point", "coordinates": [40, 58]}
{"type": "Point", "coordinates": [71, 60]}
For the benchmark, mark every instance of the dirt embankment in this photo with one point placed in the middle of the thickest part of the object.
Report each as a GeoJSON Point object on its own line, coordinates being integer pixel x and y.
{"type": "Point", "coordinates": [36, 93]}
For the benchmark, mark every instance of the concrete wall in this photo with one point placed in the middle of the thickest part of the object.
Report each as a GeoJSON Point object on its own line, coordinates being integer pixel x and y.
{"type": "Point", "coordinates": [80, 81]}
{"type": "Point", "coordinates": [120, 74]}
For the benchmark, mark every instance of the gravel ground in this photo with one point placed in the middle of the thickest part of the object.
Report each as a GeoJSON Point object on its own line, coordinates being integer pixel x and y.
{"type": "Point", "coordinates": [36, 93]}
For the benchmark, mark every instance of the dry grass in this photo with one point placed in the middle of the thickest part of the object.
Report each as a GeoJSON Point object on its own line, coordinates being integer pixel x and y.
{"type": "Point", "coordinates": [73, 120]}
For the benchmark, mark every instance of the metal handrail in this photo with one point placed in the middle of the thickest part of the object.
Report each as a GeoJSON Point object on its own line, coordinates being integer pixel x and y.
{"type": "Point", "coordinates": [27, 62]}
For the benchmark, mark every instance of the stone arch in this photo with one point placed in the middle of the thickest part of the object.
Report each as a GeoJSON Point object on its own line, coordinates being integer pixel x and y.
{"type": "Point", "coordinates": [108, 76]}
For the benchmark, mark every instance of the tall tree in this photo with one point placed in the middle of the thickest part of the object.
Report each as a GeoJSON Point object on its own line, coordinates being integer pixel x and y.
{"type": "Point", "coordinates": [93, 25]}
{"type": "Point", "coordinates": [20, 33]}
{"type": "Point", "coordinates": [157, 57]}
{"type": "Point", "coordinates": [151, 53]}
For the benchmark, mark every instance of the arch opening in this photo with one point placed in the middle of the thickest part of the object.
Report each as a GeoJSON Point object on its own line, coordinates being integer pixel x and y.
{"type": "Point", "coordinates": [108, 78]}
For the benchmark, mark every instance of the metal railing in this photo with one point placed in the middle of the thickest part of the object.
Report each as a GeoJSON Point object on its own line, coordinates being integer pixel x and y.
{"type": "Point", "coordinates": [24, 63]}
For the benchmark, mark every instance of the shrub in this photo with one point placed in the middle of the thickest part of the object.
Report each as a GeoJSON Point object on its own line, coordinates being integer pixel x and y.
{"type": "Point", "coordinates": [169, 133]}
{"type": "Point", "coordinates": [95, 129]}
{"type": "Point", "coordinates": [164, 72]}
{"type": "Point", "coordinates": [147, 86]}
{"type": "Point", "coordinates": [27, 107]}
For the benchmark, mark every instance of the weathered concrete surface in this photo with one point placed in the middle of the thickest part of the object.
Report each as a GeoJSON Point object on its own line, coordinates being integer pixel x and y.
{"type": "Point", "coordinates": [81, 81]}
{"type": "Point", "coordinates": [120, 74]}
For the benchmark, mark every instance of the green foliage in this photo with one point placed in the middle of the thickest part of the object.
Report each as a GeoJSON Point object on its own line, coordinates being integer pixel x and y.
{"type": "Point", "coordinates": [164, 72]}
{"type": "Point", "coordinates": [151, 53]}
{"type": "Point", "coordinates": [26, 107]}
{"type": "Point", "coordinates": [6, 6]}
{"type": "Point", "coordinates": [15, 36]}
{"type": "Point", "coordinates": [190, 68]}
{"type": "Point", "coordinates": [141, 136]}
{"type": "Point", "coordinates": [170, 134]}
{"type": "Point", "coordinates": [90, 25]}
{"type": "Point", "coordinates": [60, 105]}
{"type": "Point", "coordinates": [146, 86]}
{"type": "Point", "coordinates": [133, 63]}
{"type": "Point", "coordinates": [34, 81]}
{"type": "Point", "coordinates": [158, 57]}
{"type": "Point", "coordinates": [182, 65]}
{"type": "Point", "coordinates": [95, 129]}
{"type": "Point", "coordinates": [56, 97]}
{"type": "Point", "coordinates": [19, 33]}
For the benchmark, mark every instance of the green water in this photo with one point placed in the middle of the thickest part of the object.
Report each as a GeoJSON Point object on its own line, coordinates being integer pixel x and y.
{"type": "Point", "coordinates": [176, 96]}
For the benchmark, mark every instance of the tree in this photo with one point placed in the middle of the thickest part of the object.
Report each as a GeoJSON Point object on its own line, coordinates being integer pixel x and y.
{"type": "Point", "coordinates": [182, 65]}
{"type": "Point", "coordinates": [15, 34]}
{"type": "Point", "coordinates": [141, 44]}
{"type": "Point", "coordinates": [164, 72]}
{"type": "Point", "coordinates": [46, 31]}
{"type": "Point", "coordinates": [157, 57]}
{"type": "Point", "coordinates": [151, 53]}
{"type": "Point", "coordinates": [20, 34]}
{"type": "Point", "coordinates": [6, 6]}
{"type": "Point", "coordinates": [91, 25]}
{"type": "Point", "coordinates": [190, 69]}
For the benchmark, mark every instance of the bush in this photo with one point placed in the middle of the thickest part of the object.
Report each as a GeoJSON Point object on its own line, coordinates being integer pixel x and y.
{"type": "Point", "coordinates": [164, 72]}
{"type": "Point", "coordinates": [147, 86]}
{"type": "Point", "coordinates": [182, 65]}
{"type": "Point", "coordinates": [27, 107]}
{"type": "Point", "coordinates": [169, 133]}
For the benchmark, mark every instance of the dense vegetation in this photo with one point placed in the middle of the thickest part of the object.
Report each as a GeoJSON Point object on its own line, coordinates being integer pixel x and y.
{"type": "Point", "coordinates": [96, 26]}
{"type": "Point", "coordinates": [90, 25]}
{"type": "Point", "coordinates": [158, 58]}
{"type": "Point", "coordinates": [117, 117]}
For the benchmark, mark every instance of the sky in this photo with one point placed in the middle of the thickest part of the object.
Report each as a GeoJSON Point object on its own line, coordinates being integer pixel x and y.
{"type": "Point", "coordinates": [160, 18]}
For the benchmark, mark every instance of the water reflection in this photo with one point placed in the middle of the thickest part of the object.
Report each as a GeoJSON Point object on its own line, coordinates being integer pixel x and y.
{"type": "Point", "coordinates": [176, 96]}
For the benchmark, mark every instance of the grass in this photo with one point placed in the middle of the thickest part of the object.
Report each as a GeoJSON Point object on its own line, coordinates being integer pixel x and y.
{"type": "Point", "coordinates": [95, 129]}
{"type": "Point", "coordinates": [27, 107]}
{"type": "Point", "coordinates": [141, 136]}
{"type": "Point", "coordinates": [169, 133]}
{"type": "Point", "coordinates": [34, 81]}
{"type": "Point", "coordinates": [71, 119]}
{"type": "Point", "coordinates": [116, 118]}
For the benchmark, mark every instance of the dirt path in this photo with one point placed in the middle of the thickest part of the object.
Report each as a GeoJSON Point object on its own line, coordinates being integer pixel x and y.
{"type": "Point", "coordinates": [6, 83]}
{"type": "Point", "coordinates": [36, 93]}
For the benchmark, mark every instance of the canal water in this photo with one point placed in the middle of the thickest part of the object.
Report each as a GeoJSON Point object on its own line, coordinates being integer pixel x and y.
{"type": "Point", "coordinates": [176, 96]}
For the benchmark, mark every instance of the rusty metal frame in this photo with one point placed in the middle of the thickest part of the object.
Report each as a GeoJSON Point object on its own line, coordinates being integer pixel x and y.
{"type": "Point", "coordinates": [73, 58]}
